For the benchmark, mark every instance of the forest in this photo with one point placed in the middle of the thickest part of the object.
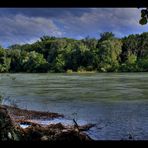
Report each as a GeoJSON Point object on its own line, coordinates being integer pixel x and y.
{"type": "Point", "coordinates": [53, 54]}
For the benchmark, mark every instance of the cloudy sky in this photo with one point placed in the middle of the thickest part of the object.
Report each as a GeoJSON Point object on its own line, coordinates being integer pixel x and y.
{"type": "Point", "coordinates": [26, 25]}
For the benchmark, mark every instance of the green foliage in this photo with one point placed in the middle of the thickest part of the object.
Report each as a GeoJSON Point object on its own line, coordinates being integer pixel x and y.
{"type": "Point", "coordinates": [144, 16]}
{"type": "Point", "coordinates": [69, 71]}
{"type": "Point", "coordinates": [51, 54]}
{"type": "Point", "coordinates": [129, 67]}
{"type": "Point", "coordinates": [106, 36]}
{"type": "Point", "coordinates": [109, 52]}
{"type": "Point", "coordinates": [143, 64]}
{"type": "Point", "coordinates": [15, 65]}
{"type": "Point", "coordinates": [59, 64]}
{"type": "Point", "coordinates": [131, 59]}
{"type": "Point", "coordinates": [4, 61]}
{"type": "Point", "coordinates": [143, 21]}
{"type": "Point", "coordinates": [81, 69]}
{"type": "Point", "coordinates": [135, 44]}
{"type": "Point", "coordinates": [35, 63]}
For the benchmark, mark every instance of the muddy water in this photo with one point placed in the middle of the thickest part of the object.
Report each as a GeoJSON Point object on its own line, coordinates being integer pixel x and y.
{"type": "Point", "coordinates": [116, 102]}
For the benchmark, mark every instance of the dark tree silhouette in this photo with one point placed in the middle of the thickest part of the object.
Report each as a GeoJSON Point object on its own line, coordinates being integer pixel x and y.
{"type": "Point", "coordinates": [144, 16]}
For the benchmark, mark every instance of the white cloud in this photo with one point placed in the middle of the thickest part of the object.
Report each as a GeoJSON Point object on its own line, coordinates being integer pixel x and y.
{"type": "Point", "coordinates": [118, 20]}
{"type": "Point", "coordinates": [20, 28]}
{"type": "Point", "coordinates": [76, 22]}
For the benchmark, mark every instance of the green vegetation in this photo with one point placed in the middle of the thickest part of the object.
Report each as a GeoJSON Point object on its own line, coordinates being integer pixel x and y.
{"type": "Point", "coordinates": [144, 16]}
{"type": "Point", "coordinates": [51, 54]}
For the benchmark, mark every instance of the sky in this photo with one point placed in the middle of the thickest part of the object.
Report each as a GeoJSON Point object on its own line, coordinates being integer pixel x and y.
{"type": "Point", "coordinates": [27, 25]}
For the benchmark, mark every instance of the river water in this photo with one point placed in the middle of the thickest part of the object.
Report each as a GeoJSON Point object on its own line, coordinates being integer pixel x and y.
{"type": "Point", "coordinates": [116, 102]}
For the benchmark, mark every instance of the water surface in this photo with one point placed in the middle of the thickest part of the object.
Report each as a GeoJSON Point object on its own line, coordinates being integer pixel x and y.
{"type": "Point", "coordinates": [116, 102]}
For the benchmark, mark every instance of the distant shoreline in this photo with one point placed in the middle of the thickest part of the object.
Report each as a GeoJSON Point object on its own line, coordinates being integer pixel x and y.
{"type": "Point", "coordinates": [74, 72]}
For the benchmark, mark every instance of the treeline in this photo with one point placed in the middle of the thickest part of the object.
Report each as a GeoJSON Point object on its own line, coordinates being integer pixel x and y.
{"type": "Point", "coordinates": [51, 54]}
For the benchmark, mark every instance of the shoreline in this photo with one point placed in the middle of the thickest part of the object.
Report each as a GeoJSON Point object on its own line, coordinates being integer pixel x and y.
{"type": "Point", "coordinates": [30, 114]}
{"type": "Point", "coordinates": [93, 72]}
{"type": "Point", "coordinates": [35, 131]}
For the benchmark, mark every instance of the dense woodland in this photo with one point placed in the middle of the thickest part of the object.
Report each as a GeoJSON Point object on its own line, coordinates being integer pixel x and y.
{"type": "Point", "coordinates": [51, 54]}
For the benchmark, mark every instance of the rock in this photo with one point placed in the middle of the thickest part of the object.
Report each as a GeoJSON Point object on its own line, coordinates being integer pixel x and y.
{"type": "Point", "coordinates": [9, 135]}
{"type": "Point", "coordinates": [44, 138]}
{"type": "Point", "coordinates": [8, 129]}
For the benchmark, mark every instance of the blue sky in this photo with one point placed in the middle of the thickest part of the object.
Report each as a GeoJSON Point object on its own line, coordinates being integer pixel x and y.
{"type": "Point", "coordinates": [26, 25]}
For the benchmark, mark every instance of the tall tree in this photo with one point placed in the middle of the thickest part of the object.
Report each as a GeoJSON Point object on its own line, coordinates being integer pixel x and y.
{"type": "Point", "coordinates": [109, 54]}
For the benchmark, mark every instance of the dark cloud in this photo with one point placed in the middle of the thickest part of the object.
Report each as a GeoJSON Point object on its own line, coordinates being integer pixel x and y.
{"type": "Point", "coordinates": [22, 29]}
{"type": "Point", "coordinates": [121, 21]}
{"type": "Point", "coordinates": [22, 25]}
{"type": "Point", "coordinates": [44, 12]}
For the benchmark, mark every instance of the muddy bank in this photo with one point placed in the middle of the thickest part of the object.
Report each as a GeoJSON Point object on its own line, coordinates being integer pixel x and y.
{"type": "Point", "coordinates": [54, 132]}
{"type": "Point", "coordinates": [18, 113]}
{"type": "Point", "coordinates": [10, 129]}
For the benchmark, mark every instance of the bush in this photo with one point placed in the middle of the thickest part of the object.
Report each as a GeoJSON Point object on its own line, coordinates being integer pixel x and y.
{"type": "Point", "coordinates": [81, 69]}
{"type": "Point", "coordinates": [69, 71]}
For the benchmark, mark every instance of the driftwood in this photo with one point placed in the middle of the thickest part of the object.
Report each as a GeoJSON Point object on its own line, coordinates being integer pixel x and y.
{"type": "Point", "coordinates": [37, 132]}
{"type": "Point", "coordinates": [54, 132]}
{"type": "Point", "coordinates": [76, 127]}
{"type": "Point", "coordinates": [83, 127]}
{"type": "Point", "coordinates": [86, 127]}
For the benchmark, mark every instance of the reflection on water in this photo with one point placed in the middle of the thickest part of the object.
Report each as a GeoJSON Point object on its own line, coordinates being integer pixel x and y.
{"type": "Point", "coordinates": [117, 103]}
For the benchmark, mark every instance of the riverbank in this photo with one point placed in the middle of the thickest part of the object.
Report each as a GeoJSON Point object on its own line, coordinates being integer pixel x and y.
{"type": "Point", "coordinates": [11, 119]}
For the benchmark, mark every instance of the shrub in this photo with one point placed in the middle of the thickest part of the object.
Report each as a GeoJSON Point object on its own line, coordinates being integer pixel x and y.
{"type": "Point", "coordinates": [69, 71]}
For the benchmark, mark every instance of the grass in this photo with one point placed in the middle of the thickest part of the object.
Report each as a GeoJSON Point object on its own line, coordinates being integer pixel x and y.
{"type": "Point", "coordinates": [79, 71]}
{"type": "Point", "coordinates": [84, 71]}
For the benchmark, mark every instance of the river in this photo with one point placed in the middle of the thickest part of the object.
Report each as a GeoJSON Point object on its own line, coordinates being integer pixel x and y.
{"type": "Point", "coordinates": [116, 102]}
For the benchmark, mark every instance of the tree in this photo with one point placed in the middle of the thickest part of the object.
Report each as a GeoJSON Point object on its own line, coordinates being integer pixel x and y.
{"type": "Point", "coordinates": [130, 45]}
{"type": "Point", "coordinates": [130, 64]}
{"type": "Point", "coordinates": [45, 38]}
{"type": "Point", "coordinates": [4, 61]}
{"type": "Point", "coordinates": [131, 59]}
{"type": "Point", "coordinates": [90, 42]}
{"type": "Point", "coordinates": [2, 55]}
{"type": "Point", "coordinates": [15, 46]}
{"type": "Point", "coordinates": [106, 36]}
{"type": "Point", "coordinates": [36, 63]}
{"type": "Point", "coordinates": [59, 63]}
{"type": "Point", "coordinates": [15, 65]}
{"type": "Point", "coordinates": [135, 44]}
{"type": "Point", "coordinates": [109, 52]}
{"type": "Point", "coordinates": [143, 64]}
{"type": "Point", "coordinates": [142, 45]}
{"type": "Point", "coordinates": [144, 16]}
